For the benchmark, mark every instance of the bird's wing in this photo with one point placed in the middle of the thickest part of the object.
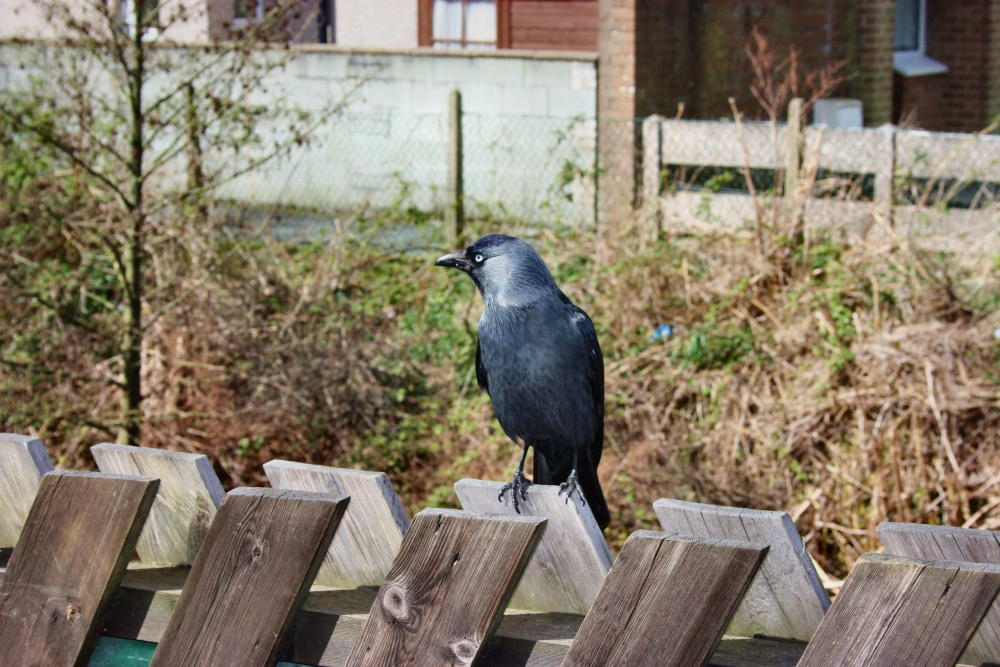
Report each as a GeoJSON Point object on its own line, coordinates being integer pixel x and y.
{"type": "Point", "coordinates": [480, 369]}
{"type": "Point", "coordinates": [595, 374]}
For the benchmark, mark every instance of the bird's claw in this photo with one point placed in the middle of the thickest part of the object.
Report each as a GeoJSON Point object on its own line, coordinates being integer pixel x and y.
{"type": "Point", "coordinates": [569, 486]}
{"type": "Point", "coordinates": [517, 486]}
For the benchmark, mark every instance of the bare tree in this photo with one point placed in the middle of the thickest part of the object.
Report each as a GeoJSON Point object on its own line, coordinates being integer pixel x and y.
{"type": "Point", "coordinates": [124, 113]}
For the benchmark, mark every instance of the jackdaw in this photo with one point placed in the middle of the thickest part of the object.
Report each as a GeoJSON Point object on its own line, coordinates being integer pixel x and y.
{"type": "Point", "coordinates": [539, 360]}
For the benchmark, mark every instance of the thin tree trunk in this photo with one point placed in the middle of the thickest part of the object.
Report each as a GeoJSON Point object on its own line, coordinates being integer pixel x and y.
{"type": "Point", "coordinates": [132, 333]}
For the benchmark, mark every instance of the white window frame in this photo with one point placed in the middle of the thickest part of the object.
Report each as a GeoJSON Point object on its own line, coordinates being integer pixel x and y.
{"type": "Point", "coordinates": [916, 62]}
{"type": "Point", "coordinates": [244, 22]}
{"type": "Point", "coordinates": [129, 20]}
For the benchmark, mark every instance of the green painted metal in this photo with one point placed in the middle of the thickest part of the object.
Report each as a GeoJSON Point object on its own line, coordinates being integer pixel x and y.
{"type": "Point", "coordinates": [114, 652]}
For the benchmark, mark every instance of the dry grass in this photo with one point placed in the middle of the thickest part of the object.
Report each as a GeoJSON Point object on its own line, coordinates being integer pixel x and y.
{"type": "Point", "coordinates": [865, 391]}
{"type": "Point", "coordinates": [853, 386]}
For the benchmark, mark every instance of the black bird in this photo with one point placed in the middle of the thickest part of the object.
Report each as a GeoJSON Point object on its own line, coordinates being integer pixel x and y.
{"type": "Point", "coordinates": [539, 360]}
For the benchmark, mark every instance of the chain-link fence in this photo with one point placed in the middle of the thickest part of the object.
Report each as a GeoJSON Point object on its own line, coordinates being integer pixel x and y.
{"type": "Point", "coordinates": [533, 168]}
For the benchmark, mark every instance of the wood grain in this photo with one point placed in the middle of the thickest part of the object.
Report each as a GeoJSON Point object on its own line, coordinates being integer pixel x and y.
{"type": "Point", "coordinates": [572, 559]}
{"type": "Point", "coordinates": [250, 578]}
{"type": "Point", "coordinates": [370, 533]}
{"type": "Point", "coordinates": [73, 551]}
{"type": "Point", "coordinates": [447, 589]}
{"type": "Point", "coordinates": [901, 611]}
{"type": "Point", "coordinates": [185, 505]}
{"type": "Point", "coordinates": [331, 621]}
{"type": "Point", "coordinates": [23, 461]}
{"type": "Point", "coordinates": [666, 601]}
{"type": "Point", "coordinates": [958, 544]}
{"type": "Point", "coordinates": [786, 599]}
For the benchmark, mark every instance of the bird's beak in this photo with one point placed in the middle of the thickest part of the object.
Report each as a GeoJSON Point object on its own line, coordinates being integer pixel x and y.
{"type": "Point", "coordinates": [454, 260]}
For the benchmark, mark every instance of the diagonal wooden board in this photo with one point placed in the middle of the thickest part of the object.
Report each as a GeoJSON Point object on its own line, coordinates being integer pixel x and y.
{"type": "Point", "coordinates": [447, 589]}
{"type": "Point", "coordinates": [250, 578]}
{"type": "Point", "coordinates": [23, 461]}
{"type": "Point", "coordinates": [966, 545]}
{"type": "Point", "coordinates": [786, 599]}
{"type": "Point", "coordinates": [73, 551]}
{"type": "Point", "coordinates": [190, 493]}
{"type": "Point", "coordinates": [370, 533]}
{"type": "Point", "coordinates": [903, 611]}
{"type": "Point", "coordinates": [666, 602]}
{"type": "Point", "coordinates": [572, 558]}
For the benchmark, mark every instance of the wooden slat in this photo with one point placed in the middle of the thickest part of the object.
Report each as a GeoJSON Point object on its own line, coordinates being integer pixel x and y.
{"type": "Point", "coordinates": [666, 601]}
{"type": "Point", "coordinates": [446, 592]}
{"type": "Point", "coordinates": [371, 531]}
{"type": "Point", "coordinates": [331, 622]}
{"type": "Point", "coordinates": [957, 544]}
{"type": "Point", "coordinates": [572, 558]}
{"type": "Point", "coordinates": [250, 578]}
{"type": "Point", "coordinates": [76, 542]}
{"type": "Point", "coordinates": [786, 599]}
{"type": "Point", "coordinates": [900, 611]}
{"type": "Point", "coordinates": [23, 461]}
{"type": "Point", "coordinates": [190, 493]}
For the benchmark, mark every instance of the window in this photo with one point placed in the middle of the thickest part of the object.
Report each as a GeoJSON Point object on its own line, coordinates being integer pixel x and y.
{"type": "Point", "coordinates": [459, 24]}
{"type": "Point", "coordinates": [249, 9]}
{"type": "Point", "coordinates": [130, 20]}
{"type": "Point", "coordinates": [910, 41]}
{"type": "Point", "coordinates": [911, 18]}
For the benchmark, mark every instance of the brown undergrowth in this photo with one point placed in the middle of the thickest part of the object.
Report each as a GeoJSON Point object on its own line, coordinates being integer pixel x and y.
{"type": "Point", "coordinates": [847, 382]}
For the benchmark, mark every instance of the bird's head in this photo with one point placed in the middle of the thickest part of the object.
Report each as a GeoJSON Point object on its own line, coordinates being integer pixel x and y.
{"type": "Point", "coordinates": [507, 271]}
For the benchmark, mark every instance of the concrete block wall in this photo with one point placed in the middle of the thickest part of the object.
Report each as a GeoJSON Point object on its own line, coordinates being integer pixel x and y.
{"type": "Point", "coordinates": [524, 120]}
{"type": "Point", "coordinates": [528, 122]}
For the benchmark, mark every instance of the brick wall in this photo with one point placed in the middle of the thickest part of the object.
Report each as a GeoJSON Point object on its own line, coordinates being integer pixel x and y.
{"type": "Point", "coordinates": [694, 51]}
{"type": "Point", "coordinates": [962, 35]}
{"type": "Point", "coordinates": [993, 63]}
{"type": "Point", "coordinates": [876, 21]}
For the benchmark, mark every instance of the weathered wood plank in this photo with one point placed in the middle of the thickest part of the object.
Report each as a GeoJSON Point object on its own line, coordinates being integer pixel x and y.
{"type": "Point", "coordinates": [23, 461]}
{"type": "Point", "coordinates": [370, 533]}
{"type": "Point", "coordinates": [572, 558]}
{"type": "Point", "coordinates": [447, 589]}
{"type": "Point", "coordinates": [76, 542]}
{"type": "Point", "coordinates": [331, 621]}
{"type": "Point", "coordinates": [250, 578]}
{"type": "Point", "coordinates": [901, 611]}
{"type": "Point", "coordinates": [965, 545]}
{"type": "Point", "coordinates": [786, 599]}
{"type": "Point", "coordinates": [666, 601]}
{"type": "Point", "coordinates": [190, 493]}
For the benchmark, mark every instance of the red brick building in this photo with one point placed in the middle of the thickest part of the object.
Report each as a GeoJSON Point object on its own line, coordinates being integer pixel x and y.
{"type": "Point", "coordinates": [935, 63]}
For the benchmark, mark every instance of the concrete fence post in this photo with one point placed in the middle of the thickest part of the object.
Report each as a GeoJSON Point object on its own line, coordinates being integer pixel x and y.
{"type": "Point", "coordinates": [652, 164]}
{"type": "Point", "coordinates": [454, 216]}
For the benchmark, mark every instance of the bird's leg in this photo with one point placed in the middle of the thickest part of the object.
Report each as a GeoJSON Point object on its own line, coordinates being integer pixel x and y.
{"type": "Point", "coordinates": [572, 484]}
{"type": "Point", "coordinates": [518, 485]}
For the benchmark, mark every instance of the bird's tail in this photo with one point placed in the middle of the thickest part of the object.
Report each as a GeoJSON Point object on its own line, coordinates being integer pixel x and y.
{"type": "Point", "coordinates": [587, 475]}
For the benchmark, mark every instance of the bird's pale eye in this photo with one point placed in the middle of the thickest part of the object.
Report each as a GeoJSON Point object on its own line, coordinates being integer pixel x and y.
{"type": "Point", "coordinates": [478, 259]}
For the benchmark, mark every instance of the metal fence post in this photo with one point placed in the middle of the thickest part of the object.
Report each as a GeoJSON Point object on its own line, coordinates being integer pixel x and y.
{"type": "Point", "coordinates": [793, 146]}
{"type": "Point", "coordinates": [454, 216]}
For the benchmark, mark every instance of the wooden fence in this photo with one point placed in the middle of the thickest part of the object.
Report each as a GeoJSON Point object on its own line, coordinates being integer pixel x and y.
{"type": "Point", "coordinates": [913, 178]}
{"type": "Point", "coordinates": [147, 563]}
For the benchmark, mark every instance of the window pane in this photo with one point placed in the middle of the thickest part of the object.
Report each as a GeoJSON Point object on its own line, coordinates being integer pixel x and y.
{"type": "Point", "coordinates": [908, 22]}
{"type": "Point", "coordinates": [481, 23]}
{"type": "Point", "coordinates": [447, 19]}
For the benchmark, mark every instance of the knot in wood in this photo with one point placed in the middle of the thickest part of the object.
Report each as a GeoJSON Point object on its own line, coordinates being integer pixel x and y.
{"type": "Point", "coordinates": [397, 607]}
{"type": "Point", "coordinates": [257, 549]}
{"type": "Point", "coordinates": [463, 651]}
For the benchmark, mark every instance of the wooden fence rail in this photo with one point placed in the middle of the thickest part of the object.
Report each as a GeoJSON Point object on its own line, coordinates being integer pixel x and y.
{"type": "Point", "coordinates": [702, 592]}
{"type": "Point", "coordinates": [897, 162]}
